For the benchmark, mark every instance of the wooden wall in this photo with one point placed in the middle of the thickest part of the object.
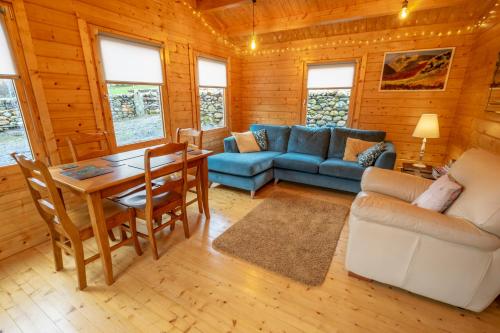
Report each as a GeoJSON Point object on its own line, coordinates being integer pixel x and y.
{"type": "Point", "coordinates": [272, 85]}
{"type": "Point", "coordinates": [473, 127]}
{"type": "Point", "coordinates": [59, 54]}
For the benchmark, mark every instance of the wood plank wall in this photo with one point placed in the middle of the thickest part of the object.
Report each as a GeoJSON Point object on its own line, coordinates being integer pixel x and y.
{"type": "Point", "coordinates": [58, 51]}
{"type": "Point", "coordinates": [272, 86]}
{"type": "Point", "coordinates": [473, 126]}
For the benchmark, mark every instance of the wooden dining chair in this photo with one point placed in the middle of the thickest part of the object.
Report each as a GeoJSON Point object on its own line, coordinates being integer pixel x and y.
{"type": "Point", "coordinates": [69, 228]}
{"type": "Point", "coordinates": [85, 146]}
{"type": "Point", "coordinates": [194, 139]}
{"type": "Point", "coordinates": [167, 198]}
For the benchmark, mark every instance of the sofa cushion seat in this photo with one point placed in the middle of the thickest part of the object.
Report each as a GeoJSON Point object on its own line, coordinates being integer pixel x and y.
{"type": "Point", "coordinates": [242, 164]}
{"type": "Point", "coordinates": [299, 162]}
{"type": "Point", "coordinates": [389, 211]}
{"type": "Point", "coordinates": [343, 169]}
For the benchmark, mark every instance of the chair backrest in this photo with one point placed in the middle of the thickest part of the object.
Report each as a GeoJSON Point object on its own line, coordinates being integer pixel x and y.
{"type": "Point", "coordinates": [46, 196]}
{"type": "Point", "coordinates": [173, 149]}
{"type": "Point", "coordinates": [84, 146]}
{"type": "Point", "coordinates": [477, 171]}
{"type": "Point", "coordinates": [192, 136]}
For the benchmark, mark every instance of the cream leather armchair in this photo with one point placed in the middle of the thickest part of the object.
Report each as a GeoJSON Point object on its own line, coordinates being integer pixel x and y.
{"type": "Point", "coordinates": [452, 257]}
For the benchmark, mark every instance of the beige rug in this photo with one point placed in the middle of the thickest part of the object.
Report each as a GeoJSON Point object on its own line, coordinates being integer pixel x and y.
{"type": "Point", "coordinates": [288, 234]}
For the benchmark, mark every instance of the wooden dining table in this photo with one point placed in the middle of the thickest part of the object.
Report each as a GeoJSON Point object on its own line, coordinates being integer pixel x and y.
{"type": "Point", "coordinates": [125, 174]}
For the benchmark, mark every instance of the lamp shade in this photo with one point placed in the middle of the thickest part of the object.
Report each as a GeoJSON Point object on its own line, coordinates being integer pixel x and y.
{"type": "Point", "coordinates": [427, 126]}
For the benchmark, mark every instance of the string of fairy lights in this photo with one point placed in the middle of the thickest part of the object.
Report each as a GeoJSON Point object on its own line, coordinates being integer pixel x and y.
{"type": "Point", "coordinates": [335, 41]}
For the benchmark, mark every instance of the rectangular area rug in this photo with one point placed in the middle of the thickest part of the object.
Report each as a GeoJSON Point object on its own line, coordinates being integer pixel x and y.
{"type": "Point", "coordinates": [289, 234]}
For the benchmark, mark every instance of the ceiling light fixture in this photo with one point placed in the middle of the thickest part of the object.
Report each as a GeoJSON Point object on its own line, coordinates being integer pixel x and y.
{"type": "Point", "coordinates": [253, 42]}
{"type": "Point", "coordinates": [404, 10]}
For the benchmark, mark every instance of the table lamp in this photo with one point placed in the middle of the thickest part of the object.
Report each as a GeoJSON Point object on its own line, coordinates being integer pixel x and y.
{"type": "Point", "coordinates": [427, 128]}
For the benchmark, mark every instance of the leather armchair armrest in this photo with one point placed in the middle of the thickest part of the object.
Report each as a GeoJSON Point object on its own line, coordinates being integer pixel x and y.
{"type": "Point", "coordinates": [393, 183]}
{"type": "Point", "coordinates": [230, 145]}
{"type": "Point", "coordinates": [388, 158]}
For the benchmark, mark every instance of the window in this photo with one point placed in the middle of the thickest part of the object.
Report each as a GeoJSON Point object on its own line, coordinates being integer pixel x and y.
{"type": "Point", "coordinates": [134, 79]}
{"type": "Point", "coordinates": [13, 136]}
{"type": "Point", "coordinates": [212, 84]}
{"type": "Point", "coordinates": [328, 94]}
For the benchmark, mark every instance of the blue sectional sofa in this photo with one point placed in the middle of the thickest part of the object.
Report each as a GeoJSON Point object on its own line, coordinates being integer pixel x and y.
{"type": "Point", "coordinates": [298, 154]}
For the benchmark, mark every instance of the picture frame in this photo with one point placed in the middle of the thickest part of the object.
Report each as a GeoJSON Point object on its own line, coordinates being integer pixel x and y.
{"type": "Point", "coordinates": [416, 70]}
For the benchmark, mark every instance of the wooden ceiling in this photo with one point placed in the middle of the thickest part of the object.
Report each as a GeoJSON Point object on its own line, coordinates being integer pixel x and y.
{"type": "Point", "coordinates": [282, 20]}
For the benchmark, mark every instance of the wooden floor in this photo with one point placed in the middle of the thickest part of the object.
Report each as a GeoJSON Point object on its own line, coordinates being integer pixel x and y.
{"type": "Point", "coordinates": [193, 288]}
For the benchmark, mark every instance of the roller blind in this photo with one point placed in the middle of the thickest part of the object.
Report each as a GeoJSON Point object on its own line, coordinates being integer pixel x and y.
{"type": "Point", "coordinates": [127, 61]}
{"type": "Point", "coordinates": [339, 75]}
{"type": "Point", "coordinates": [212, 73]}
{"type": "Point", "coordinates": [7, 65]}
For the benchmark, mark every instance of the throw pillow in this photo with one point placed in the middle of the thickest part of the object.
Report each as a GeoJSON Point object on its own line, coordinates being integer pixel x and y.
{"type": "Point", "coordinates": [440, 195]}
{"type": "Point", "coordinates": [261, 138]}
{"type": "Point", "coordinates": [355, 146]}
{"type": "Point", "coordinates": [369, 156]}
{"type": "Point", "coordinates": [246, 142]}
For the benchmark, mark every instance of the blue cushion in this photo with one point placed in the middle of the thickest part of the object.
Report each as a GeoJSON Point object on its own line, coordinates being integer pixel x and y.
{"type": "Point", "coordinates": [299, 162]}
{"type": "Point", "coordinates": [242, 164]}
{"type": "Point", "coordinates": [277, 136]}
{"type": "Point", "coordinates": [343, 169]}
{"type": "Point", "coordinates": [340, 135]}
{"type": "Point", "coordinates": [317, 179]}
{"type": "Point", "coordinates": [307, 140]}
{"type": "Point", "coordinates": [245, 183]}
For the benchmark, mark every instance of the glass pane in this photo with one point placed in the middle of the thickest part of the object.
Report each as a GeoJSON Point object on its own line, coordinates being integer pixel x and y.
{"type": "Point", "coordinates": [212, 108]}
{"type": "Point", "coordinates": [127, 61]}
{"type": "Point", "coordinates": [338, 75]}
{"type": "Point", "coordinates": [212, 73]}
{"type": "Point", "coordinates": [7, 66]}
{"type": "Point", "coordinates": [327, 107]}
{"type": "Point", "coordinates": [13, 136]}
{"type": "Point", "coordinates": [137, 112]}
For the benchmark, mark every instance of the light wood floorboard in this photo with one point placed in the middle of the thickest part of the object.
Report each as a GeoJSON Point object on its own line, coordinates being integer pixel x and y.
{"type": "Point", "coordinates": [193, 288]}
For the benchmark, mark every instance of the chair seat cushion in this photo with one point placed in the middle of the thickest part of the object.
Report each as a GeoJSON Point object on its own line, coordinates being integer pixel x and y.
{"type": "Point", "coordinates": [343, 169]}
{"type": "Point", "coordinates": [242, 164]}
{"type": "Point", "coordinates": [389, 211]}
{"type": "Point", "coordinates": [138, 200]}
{"type": "Point", "coordinates": [298, 162]}
{"type": "Point", "coordinates": [191, 179]}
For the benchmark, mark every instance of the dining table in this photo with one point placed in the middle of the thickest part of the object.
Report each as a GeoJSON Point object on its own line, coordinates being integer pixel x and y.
{"type": "Point", "coordinates": [123, 171]}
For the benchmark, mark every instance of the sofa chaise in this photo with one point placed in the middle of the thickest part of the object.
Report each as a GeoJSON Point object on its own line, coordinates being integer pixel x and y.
{"type": "Point", "coordinates": [299, 154]}
{"type": "Point", "coordinates": [452, 257]}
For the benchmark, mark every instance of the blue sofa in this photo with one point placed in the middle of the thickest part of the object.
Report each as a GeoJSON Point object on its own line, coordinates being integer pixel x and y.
{"type": "Point", "coordinates": [298, 154]}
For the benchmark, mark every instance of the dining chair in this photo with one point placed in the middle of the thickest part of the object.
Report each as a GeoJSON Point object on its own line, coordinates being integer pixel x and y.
{"type": "Point", "coordinates": [69, 228]}
{"type": "Point", "coordinates": [194, 139]}
{"type": "Point", "coordinates": [166, 198]}
{"type": "Point", "coordinates": [85, 146]}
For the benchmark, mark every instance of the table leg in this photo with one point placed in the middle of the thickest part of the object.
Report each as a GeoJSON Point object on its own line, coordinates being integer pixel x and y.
{"type": "Point", "coordinates": [98, 220]}
{"type": "Point", "coordinates": [204, 186]}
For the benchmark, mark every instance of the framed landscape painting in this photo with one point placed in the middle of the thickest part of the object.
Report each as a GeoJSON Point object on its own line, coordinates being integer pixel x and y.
{"type": "Point", "coordinates": [416, 70]}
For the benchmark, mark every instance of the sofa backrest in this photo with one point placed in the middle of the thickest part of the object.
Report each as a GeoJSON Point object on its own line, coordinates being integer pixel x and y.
{"type": "Point", "coordinates": [307, 140]}
{"type": "Point", "coordinates": [277, 136]}
{"type": "Point", "coordinates": [478, 171]}
{"type": "Point", "coordinates": [339, 137]}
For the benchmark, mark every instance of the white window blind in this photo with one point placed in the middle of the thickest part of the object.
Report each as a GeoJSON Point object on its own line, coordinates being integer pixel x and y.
{"type": "Point", "coordinates": [7, 65]}
{"type": "Point", "coordinates": [212, 73]}
{"type": "Point", "coordinates": [127, 61]}
{"type": "Point", "coordinates": [339, 75]}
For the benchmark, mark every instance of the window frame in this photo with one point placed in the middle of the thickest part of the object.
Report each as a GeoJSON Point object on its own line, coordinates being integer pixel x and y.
{"type": "Point", "coordinates": [196, 91]}
{"type": "Point", "coordinates": [24, 92]}
{"type": "Point", "coordinates": [95, 32]}
{"type": "Point", "coordinates": [357, 86]}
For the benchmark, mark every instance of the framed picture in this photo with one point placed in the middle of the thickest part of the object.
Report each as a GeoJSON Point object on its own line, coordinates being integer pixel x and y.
{"type": "Point", "coordinates": [416, 70]}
